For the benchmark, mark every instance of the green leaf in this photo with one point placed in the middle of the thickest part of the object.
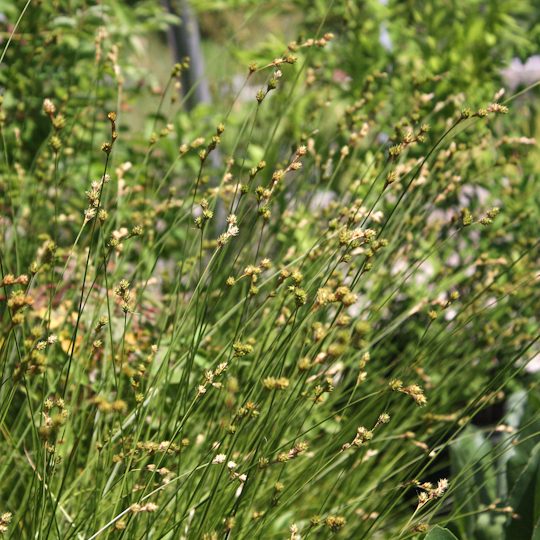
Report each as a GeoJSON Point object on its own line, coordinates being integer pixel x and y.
{"type": "Point", "coordinates": [256, 154]}
{"type": "Point", "coordinates": [523, 473]}
{"type": "Point", "coordinates": [8, 8]}
{"type": "Point", "coordinates": [64, 22]}
{"type": "Point", "coordinates": [438, 533]}
{"type": "Point", "coordinates": [470, 461]}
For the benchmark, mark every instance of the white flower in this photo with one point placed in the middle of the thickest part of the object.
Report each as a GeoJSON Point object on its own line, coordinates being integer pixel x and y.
{"type": "Point", "coordinates": [219, 458]}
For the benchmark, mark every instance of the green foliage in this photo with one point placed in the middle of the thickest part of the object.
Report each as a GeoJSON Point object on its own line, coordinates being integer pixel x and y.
{"type": "Point", "coordinates": [495, 469]}
{"type": "Point", "coordinates": [438, 533]}
{"type": "Point", "coordinates": [305, 310]}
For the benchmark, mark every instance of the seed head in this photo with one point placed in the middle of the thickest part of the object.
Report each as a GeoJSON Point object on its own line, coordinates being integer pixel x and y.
{"type": "Point", "coordinates": [48, 107]}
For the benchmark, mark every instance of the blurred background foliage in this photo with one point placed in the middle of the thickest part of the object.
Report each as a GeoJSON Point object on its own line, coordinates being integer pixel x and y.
{"type": "Point", "coordinates": [444, 46]}
{"type": "Point", "coordinates": [436, 56]}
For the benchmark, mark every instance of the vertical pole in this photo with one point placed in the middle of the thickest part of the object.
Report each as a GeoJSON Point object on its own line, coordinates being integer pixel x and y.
{"type": "Point", "coordinates": [185, 40]}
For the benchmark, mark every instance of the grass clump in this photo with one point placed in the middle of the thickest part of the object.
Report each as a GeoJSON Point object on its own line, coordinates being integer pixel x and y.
{"type": "Point", "coordinates": [286, 315]}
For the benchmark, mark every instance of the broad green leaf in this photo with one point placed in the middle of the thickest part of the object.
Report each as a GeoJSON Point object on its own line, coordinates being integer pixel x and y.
{"type": "Point", "coordinates": [469, 457]}
{"type": "Point", "coordinates": [523, 475]}
{"type": "Point", "coordinates": [438, 533]}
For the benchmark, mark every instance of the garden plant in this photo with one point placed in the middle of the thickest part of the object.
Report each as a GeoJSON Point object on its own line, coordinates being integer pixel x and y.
{"type": "Point", "coordinates": [305, 309]}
